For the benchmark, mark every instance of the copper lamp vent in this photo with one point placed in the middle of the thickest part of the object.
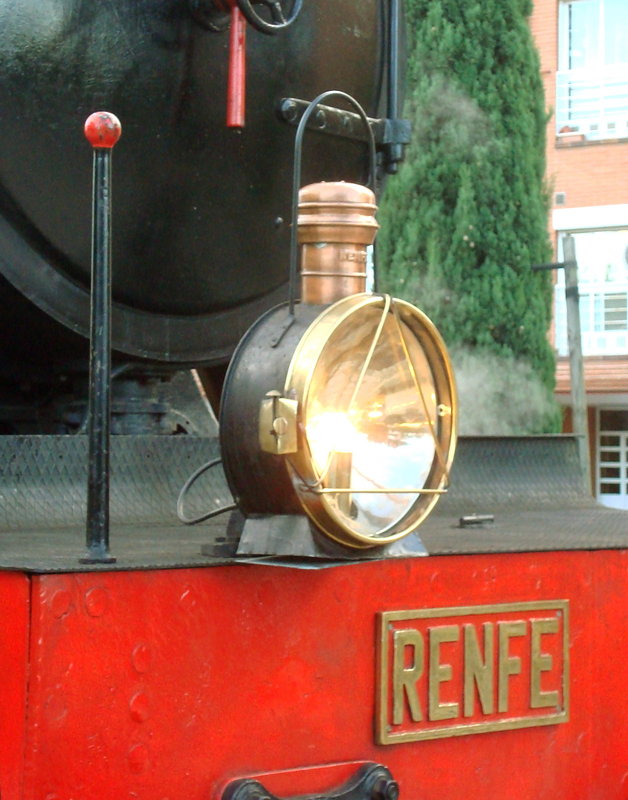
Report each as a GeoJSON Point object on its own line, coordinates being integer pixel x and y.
{"type": "Point", "coordinates": [336, 223]}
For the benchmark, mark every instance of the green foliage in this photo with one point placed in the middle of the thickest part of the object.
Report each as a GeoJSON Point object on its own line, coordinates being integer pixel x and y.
{"type": "Point", "coordinates": [466, 217]}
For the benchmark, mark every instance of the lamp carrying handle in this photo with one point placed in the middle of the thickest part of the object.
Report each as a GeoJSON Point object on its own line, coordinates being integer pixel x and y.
{"type": "Point", "coordinates": [296, 178]}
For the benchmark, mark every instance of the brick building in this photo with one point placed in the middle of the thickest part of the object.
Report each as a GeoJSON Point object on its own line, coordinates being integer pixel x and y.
{"type": "Point", "coordinates": [583, 45]}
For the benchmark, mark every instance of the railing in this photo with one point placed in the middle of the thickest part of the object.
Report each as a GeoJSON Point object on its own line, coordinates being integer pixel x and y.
{"type": "Point", "coordinates": [603, 319]}
{"type": "Point", "coordinates": [592, 103]}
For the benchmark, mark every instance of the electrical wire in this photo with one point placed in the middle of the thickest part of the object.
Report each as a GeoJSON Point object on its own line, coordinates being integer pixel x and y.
{"type": "Point", "coordinates": [185, 489]}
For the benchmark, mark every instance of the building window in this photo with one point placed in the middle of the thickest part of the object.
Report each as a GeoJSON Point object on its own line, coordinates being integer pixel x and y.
{"type": "Point", "coordinates": [612, 458]}
{"type": "Point", "coordinates": [602, 258]}
{"type": "Point", "coordinates": [592, 77]}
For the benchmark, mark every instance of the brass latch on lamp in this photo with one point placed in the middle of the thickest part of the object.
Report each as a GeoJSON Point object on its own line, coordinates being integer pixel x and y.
{"type": "Point", "coordinates": [278, 424]}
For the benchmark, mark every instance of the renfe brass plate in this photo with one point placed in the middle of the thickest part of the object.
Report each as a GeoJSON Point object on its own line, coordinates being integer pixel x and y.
{"type": "Point", "coordinates": [471, 669]}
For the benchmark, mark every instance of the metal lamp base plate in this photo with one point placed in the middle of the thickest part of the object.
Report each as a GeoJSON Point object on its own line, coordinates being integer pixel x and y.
{"type": "Point", "coordinates": [292, 536]}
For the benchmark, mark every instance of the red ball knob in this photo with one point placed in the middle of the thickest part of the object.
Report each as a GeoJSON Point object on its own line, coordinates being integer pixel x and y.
{"type": "Point", "coordinates": [102, 129]}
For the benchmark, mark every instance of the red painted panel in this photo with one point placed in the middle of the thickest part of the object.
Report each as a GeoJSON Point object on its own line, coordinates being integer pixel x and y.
{"type": "Point", "coordinates": [164, 685]}
{"type": "Point", "coordinates": [14, 610]}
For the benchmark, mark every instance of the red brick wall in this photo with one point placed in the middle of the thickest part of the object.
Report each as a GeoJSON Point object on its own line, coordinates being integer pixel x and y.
{"type": "Point", "coordinates": [592, 174]}
{"type": "Point", "coordinates": [589, 173]}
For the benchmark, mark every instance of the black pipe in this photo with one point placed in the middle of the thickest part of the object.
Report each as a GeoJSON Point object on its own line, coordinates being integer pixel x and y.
{"type": "Point", "coordinates": [392, 109]}
{"type": "Point", "coordinates": [393, 150]}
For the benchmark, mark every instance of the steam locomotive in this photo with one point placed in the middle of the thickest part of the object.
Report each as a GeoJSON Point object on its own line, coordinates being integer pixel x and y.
{"type": "Point", "coordinates": [308, 638]}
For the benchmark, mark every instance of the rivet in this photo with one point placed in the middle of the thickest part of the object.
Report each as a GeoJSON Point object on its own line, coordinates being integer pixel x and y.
{"type": "Point", "coordinates": [139, 706]}
{"type": "Point", "coordinates": [188, 599]}
{"type": "Point", "coordinates": [55, 708]}
{"type": "Point", "coordinates": [96, 602]}
{"type": "Point", "coordinates": [60, 603]}
{"type": "Point", "coordinates": [290, 111]}
{"type": "Point", "coordinates": [141, 657]}
{"type": "Point", "coordinates": [138, 758]}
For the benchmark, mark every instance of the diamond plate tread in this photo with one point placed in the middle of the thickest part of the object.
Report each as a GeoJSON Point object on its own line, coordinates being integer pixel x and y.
{"type": "Point", "coordinates": [133, 546]}
{"type": "Point", "coordinates": [43, 480]}
{"type": "Point", "coordinates": [518, 471]}
{"type": "Point", "coordinates": [593, 528]}
{"type": "Point", "coordinates": [532, 486]}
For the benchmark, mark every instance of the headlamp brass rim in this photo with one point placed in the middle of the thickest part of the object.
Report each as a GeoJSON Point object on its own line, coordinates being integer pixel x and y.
{"type": "Point", "coordinates": [391, 490]}
{"type": "Point", "coordinates": [298, 383]}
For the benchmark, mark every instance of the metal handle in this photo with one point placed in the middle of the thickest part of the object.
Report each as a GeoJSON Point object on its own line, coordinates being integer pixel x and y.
{"type": "Point", "coordinates": [296, 178]}
{"type": "Point", "coordinates": [371, 782]}
{"type": "Point", "coordinates": [236, 81]}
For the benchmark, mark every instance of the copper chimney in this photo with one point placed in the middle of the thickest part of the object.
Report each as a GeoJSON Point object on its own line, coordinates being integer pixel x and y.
{"type": "Point", "coordinates": [336, 223]}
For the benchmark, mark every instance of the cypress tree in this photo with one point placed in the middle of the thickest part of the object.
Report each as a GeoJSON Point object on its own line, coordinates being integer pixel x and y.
{"type": "Point", "coordinates": [466, 217]}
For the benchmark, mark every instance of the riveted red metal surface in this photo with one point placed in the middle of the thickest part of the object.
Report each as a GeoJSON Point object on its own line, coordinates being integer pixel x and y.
{"type": "Point", "coordinates": [166, 685]}
{"type": "Point", "coordinates": [15, 609]}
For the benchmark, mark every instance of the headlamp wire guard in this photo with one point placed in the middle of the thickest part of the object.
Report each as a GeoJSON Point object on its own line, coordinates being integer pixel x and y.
{"type": "Point", "coordinates": [301, 382]}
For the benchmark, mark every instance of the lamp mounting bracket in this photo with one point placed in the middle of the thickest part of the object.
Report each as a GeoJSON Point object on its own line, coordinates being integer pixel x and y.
{"type": "Point", "coordinates": [347, 124]}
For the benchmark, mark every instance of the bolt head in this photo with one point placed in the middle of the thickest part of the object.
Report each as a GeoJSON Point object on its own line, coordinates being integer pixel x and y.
{"type": "Point", "coordinates": [386, 789]}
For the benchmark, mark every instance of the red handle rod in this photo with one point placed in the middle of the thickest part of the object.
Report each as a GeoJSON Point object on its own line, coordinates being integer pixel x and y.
{"type": "Point", "coordinates": [236, 84]}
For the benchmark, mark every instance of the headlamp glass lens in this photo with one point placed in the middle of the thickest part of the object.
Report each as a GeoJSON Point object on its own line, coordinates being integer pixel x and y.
{"type": "Point", "coordinates": [371, 421]}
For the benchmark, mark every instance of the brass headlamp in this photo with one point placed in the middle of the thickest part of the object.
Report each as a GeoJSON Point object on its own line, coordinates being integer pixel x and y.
{"type": "Point", "coordinates": [344, 412]}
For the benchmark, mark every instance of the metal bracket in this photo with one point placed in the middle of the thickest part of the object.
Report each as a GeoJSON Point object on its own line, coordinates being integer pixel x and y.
{"type": "Point", "coordinates": [371, 782]}
{"type": "Point", "coordinates": [553, 265]}
{"type": "Point", "coordinates": [346, 124]}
